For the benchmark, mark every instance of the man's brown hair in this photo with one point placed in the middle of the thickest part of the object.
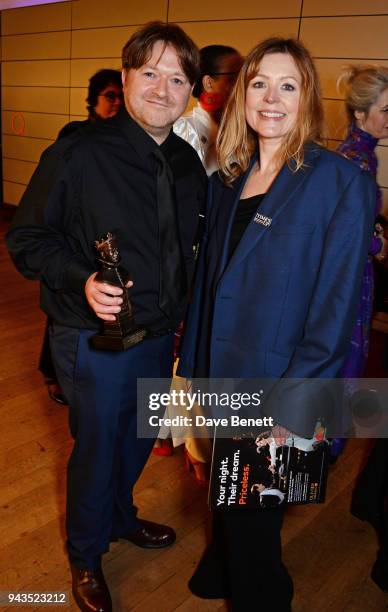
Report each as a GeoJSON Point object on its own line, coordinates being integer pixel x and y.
{"type": "Point", "coordinates": [138, 49]}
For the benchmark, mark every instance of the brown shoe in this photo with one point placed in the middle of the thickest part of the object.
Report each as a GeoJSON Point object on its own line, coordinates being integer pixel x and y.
{"type": "Point", "coordinates": [90, 590]}
{"type": "Point", "coordinates": [152, 535]}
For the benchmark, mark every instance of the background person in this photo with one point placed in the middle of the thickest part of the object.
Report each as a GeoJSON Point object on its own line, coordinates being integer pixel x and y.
{"type": "Point", "coordinates": [105, 97]}
{"type": "Point", "coordinates": [219, 67]}
{"type": "Point", "coordinates": [366, 100]}
{"type": "Point", "coordinates": [287, 231]}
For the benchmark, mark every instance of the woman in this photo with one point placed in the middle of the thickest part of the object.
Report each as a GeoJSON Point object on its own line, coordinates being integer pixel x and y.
{"type": "Point", "coordinates": [366, 100]}
{"type": "Point", "coordinates": [105, 96]}
{"type": "Point", "coordinates": [219, 67]}
{"type": "Point", "coordinates": [287, 230]}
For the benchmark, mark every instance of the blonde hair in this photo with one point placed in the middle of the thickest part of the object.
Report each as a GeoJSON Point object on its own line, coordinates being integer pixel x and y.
{"type": "Point", "coordinates": [237, 141]}
{"type": "Point", "coordinates": [361, 86]}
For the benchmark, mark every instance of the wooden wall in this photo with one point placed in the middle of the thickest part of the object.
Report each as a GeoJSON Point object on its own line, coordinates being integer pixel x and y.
{"type": "Point", "coordinates": [50, 51]}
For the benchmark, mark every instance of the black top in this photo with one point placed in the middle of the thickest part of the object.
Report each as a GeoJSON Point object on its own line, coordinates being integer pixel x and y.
{"type": "Point", "coordinates": [245, 210]}
{"type": "Point", "coordinates": [103, 178]}
{"type": "Point", "coordinates": [71, 127]}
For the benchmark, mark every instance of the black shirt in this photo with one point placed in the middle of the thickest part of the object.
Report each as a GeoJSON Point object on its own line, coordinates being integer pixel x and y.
{"type": "Point", "coordinates": [71, 127]}
{"type": "Point", "coordinates": [245, 210]}
{"type": "Point", "coordinates": [103, 178]}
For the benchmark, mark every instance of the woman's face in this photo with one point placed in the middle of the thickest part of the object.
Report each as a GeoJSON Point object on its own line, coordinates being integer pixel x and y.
{"type": "Point", "coordinates": [376, 123]}
{"type": "Point", "coordinates": [109, 101]}
{"type": "Point", "coordinates": [272, 97]}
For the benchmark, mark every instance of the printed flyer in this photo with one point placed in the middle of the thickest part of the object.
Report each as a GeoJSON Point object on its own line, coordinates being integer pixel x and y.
{"type": "Point", "coordinates": [264, 472]}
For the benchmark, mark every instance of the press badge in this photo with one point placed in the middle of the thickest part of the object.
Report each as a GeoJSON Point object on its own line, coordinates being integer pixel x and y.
{"type": "Point", "coordinates": [262, 220]}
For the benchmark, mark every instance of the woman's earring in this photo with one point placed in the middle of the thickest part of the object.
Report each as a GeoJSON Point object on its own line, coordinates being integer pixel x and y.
{"type": "Point", "coordinates": [210, 101]}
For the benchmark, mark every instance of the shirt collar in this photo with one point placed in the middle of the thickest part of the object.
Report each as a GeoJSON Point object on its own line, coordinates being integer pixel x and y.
{"type": "Point", "coordinates": [142, 142]}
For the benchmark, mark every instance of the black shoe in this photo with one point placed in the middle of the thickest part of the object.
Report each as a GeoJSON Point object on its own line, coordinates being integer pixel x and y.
{"type": "Point", "coordinates": [207, 591]}
{"type": "Point", "coordinates": [379, 574]}
{"type": "Point", "coordinates": [210, 578]}
{"type": "Point", "coordinates": [367, 512]}
{"type": "Point", "coordinates": [56, 395]}
{"type": "Point", "coordinates": [90, 590]}
{"type": "Point", "coordinates": [151, 535]}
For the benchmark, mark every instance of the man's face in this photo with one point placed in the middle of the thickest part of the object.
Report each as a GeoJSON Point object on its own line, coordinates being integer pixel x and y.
{"type": "Point", "coordinates": [157, 93]}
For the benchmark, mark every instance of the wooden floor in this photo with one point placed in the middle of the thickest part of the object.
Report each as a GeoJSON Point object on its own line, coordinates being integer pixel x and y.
{"type": "Point", "coordinates": [328, 552]}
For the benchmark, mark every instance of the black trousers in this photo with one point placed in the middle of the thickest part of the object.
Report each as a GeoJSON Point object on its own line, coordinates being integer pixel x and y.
{"type": "Point", "coordinates": [243, 562]}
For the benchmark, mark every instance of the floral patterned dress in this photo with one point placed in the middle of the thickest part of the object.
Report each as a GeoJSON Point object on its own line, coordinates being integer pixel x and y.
{"type": "Point", "coordinates": [359, 147]}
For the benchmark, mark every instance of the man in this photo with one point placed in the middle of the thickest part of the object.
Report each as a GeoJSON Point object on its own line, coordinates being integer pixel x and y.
{"type": "Point", "coordinates": [129, 175]}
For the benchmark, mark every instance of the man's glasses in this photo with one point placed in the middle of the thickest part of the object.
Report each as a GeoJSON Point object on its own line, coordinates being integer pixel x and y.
{"type": "Point", "coordinates": [112, 96]}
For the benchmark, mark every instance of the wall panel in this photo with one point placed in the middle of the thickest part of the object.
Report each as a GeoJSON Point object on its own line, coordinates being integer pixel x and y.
{"type": "Point", "coordinates": [12, 192]}
{"type": "Point", "coordinates": [349, 37]}
{"type": "Point", "coordinates": [21, 147]}
{"type": "Point", "coordinates": [243, 35]}
{"type": "Point", "coordinates": [36, 125]}
{"type": "Point", "coordinates": [335, 119]}
{"type": "Point", "coordinates": [92, 14]}
{"type": "Point", "coordinates": [43, 18]}
{"type": "Point", "coordinates": [344, 7]}
{"type": "Point", "coordinates": [47, 73]}
{"type": "Point", "coordinates": [51, 45]}
{"type": "Point", "coordinates": [382, 173]}
{"type": "Point", "coordinates": [329, 71]}
{"type": "Point", "coordinates": [36, 99]}
{"type": "Point", "coordinates": [181, 10]}
{"type": "Point", "coordinates": [385, 202]}
{"type": "Point", "coordinates": [78, 101]}
{"type": "Point", "coordinates": [83, 69]}
{"type": "Point", "coordinates": [17, 170]}
{"type": "Point", "coordinates": [101, 42]}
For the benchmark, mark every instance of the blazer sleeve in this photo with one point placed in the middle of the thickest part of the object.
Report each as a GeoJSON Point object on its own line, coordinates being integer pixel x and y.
{"type": "Point", "coordinates": [331, 315]}
{"type": "Point", "coordinates": [37, 240]}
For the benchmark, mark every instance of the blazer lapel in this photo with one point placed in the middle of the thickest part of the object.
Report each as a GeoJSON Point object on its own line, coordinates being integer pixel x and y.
{"type": "Point", "coordinates": [278, 197]}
